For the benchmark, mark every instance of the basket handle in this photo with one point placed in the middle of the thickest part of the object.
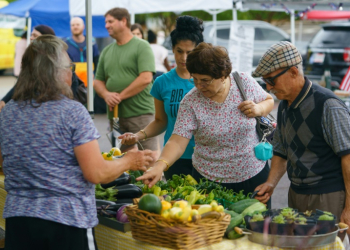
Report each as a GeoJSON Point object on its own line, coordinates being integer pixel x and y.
{"type": "Point", "coordinates": [212, 214]}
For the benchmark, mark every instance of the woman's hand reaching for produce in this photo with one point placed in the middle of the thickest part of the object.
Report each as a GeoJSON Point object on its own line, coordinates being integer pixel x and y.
{"type": "Point", "coordinates": [139, 160]}
{"type": "Point", "coordinates": [152, 175]}
{"type": "Point", "coordinates": [251, 109]}
{"type": "Point", "coordinates": [129, 138]}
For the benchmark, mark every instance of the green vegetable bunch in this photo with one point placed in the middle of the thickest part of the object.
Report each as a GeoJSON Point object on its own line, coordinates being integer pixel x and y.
{"type": "Point", "coordinates": [289, 213]}
{"type": "Point", "coordinates": [279, 219]}
{"type": "Point", "coordinates": [326, 217]}
{"type": "Point", "coordinates": [257, 217]}
{"type": "Point", "coordinates": [105, 194]}
{"type": "Point", "coordinates": [301, 220]}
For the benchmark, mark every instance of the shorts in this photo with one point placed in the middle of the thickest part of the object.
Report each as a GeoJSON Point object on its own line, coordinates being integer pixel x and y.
{"type": "Point", "coordinates": [37, 234]}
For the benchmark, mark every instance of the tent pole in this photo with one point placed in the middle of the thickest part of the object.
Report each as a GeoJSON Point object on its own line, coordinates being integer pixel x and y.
{"type": "Point", "coordinates": [214, 26]}
{"type": "Point", "coordinates": [132, 18]}
{"type": "Point", "coordinates": [292, 26]}
{"type": "Point", "coordinates": [90, 104]}
{"type": "Point", "coordinates": [29, 30]}
{"type": "Point", "coordinates": [234, 14]}
{"type": "Point", "coordinates": [300, 29]}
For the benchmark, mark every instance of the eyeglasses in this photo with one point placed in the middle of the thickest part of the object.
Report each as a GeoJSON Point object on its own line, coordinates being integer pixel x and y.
{"type": "Point", "coordinates": [270, 80]}
{"type": "Point", "coordinates": [72, 67]}
{"type": "Point", "coordinates": [203, 83]}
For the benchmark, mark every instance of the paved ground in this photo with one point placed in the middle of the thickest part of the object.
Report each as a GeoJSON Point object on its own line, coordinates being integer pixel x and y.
{"type": "Point", "coordinates": [279, 198]}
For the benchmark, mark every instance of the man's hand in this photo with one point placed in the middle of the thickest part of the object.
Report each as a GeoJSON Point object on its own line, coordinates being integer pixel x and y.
{"type": "Point", "coordinates": [265, 192]}
{"type": "Point", "coordinates": [345, 218]}
{"type": "Point", "coordinates": [112, 99]}
{"type": "Point", "coordinates": [2, 104]}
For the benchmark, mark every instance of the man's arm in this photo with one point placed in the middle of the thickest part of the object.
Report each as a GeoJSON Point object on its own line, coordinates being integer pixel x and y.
{"type": "Point", "coordinates": [278, 168]}
{"type": "Point", "coordinates": [345, 164]}
{"type": "Point", "coordinates": [111, 98]}
{"type": "Point", "coordinates": [139, 84]}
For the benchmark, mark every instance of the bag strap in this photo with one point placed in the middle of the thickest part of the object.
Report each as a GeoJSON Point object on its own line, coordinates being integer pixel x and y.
{"type": "Point", "coordinates": [240, 85]}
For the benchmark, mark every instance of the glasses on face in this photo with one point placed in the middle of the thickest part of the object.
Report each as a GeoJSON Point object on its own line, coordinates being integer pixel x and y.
{"type": "Point", "coordinates": [270, 80]}
{"type": "Point", "coordinates": [204, 83]}
{"type": "Point", "coordinates": [72, 67]}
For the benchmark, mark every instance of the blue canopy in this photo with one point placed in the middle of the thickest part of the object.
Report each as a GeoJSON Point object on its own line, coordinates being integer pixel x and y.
{"type": "Point", "coordinates": [54, 13]}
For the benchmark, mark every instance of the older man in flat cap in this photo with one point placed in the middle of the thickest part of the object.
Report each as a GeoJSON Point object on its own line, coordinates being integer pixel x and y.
{"type": "Point", "coordinates": [312, 138]}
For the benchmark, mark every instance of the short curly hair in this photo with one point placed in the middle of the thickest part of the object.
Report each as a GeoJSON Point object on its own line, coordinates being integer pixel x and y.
{"type": "Point", "coordinates": [206, 59]}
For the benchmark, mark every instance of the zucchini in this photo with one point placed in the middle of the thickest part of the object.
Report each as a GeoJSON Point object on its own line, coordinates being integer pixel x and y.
{"type": "Point", "coordinates": [234, 235]}
{"type": "Point", "coordinates": [257, 207]}
{"type": "Point", "coordinates": [232, 213]}
{"type": "Point", "coordinates": [121, 180]}
{"type": "Point", "coordinates": [239, 206]}
{"type": "Point", "coordinates": [235, 221]}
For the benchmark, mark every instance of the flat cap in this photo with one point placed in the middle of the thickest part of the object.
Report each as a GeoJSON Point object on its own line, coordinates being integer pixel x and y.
{"type": "Point", "coordinates": [280, 55]}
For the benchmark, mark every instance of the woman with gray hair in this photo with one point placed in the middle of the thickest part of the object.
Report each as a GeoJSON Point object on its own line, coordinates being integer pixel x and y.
{"type": "Point", "coordinates": [50, 156]}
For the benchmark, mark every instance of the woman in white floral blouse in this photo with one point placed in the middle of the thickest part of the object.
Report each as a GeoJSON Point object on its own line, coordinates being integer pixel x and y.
{"type": "Point", "coordinates": [222, 123]}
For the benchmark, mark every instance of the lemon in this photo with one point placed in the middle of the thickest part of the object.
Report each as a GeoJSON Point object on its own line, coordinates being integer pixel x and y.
{"type": "Point", "coordinates": [115, 151]}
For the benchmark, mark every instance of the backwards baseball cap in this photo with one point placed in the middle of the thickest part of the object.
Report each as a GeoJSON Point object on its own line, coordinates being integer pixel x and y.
{"type": "Point", "coordinates": [280, 55]}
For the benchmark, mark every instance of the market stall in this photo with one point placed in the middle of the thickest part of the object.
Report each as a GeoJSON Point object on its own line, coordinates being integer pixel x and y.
{"type": "Point", "coordinates": [185, 214]}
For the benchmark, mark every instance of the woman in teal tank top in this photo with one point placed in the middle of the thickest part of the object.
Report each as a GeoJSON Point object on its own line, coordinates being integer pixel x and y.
{"type": "Point", "coordinates": [169, 89]}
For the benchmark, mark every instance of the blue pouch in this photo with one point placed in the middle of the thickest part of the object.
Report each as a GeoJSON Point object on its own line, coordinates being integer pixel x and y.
{"type": "Point", "coordinates": [263, 151]}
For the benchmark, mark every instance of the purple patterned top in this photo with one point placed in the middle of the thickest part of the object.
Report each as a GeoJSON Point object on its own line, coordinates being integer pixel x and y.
{"type": "Point", "coordinates": [225, 138]}
{"type": "Point", "coordinates": [42, 175]}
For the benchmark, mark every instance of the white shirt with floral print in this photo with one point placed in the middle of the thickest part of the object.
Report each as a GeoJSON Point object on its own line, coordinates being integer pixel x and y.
{"type": "Point", "coordinates": [225, 138]}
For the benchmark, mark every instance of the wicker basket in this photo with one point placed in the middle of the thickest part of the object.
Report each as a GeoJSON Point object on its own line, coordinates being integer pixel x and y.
{"type": "Point", "coordinates": [154, 229]}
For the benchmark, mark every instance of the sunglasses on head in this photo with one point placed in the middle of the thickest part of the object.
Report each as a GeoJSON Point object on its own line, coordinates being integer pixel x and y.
{"type": "Point", "coordinates": [270, 80]}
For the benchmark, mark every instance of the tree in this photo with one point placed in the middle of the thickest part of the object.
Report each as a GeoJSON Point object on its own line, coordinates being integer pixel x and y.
{"type": "Point", "coordinates": [168, 18]}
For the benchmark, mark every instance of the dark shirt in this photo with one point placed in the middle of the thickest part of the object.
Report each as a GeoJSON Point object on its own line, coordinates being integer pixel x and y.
{"type": "Point", "coordinates": [77, 51]}
{"type": "Point", "coordinates": [312, 134]}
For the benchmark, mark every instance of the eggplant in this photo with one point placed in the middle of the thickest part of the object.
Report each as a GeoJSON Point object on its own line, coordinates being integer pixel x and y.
{"type": "Point", "coordinates": [107, 213]}
{"type": "Point", "coordinates": [100, 203]}
{"type": "Point", "coordinates": [121, 180]}
{"type": "Point", "coordinates": [113, 207]}
{"type": "Point", "coordinates": [128, 191]}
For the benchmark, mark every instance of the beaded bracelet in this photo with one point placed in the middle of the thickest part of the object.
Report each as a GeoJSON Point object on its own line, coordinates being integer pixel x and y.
{"type": "Point", "coordinates": [167, 164]}
{"type": "Point", "coordinates": [144, 134]}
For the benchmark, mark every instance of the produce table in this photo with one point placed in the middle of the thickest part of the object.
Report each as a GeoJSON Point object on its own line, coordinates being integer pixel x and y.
{"type": "Point", "coordinates": [110, 239]}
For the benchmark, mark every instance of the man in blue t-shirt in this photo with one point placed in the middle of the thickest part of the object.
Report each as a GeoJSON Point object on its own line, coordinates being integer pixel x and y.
{"type": "Point", "coordinates": [77, 43]}
{"type": "Point", "coordinates": [77, 53]}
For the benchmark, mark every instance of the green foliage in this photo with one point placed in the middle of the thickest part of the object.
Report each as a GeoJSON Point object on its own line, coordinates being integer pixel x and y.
{"type": "Point", "coordinates": [168, 18]}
